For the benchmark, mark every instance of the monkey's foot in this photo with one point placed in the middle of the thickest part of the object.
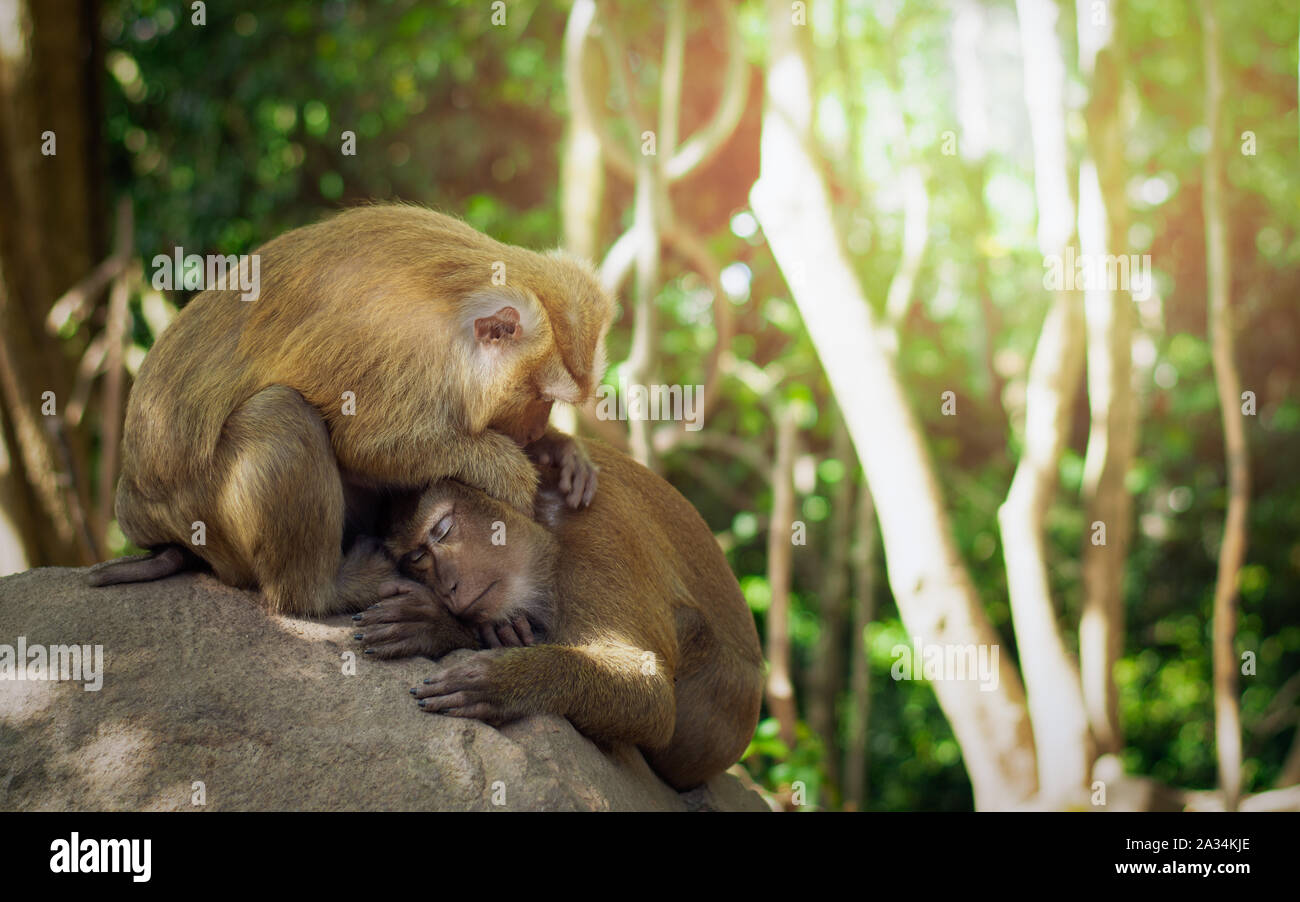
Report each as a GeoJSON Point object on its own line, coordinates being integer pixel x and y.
{"type": "Point", "coordinates": [465, 689]}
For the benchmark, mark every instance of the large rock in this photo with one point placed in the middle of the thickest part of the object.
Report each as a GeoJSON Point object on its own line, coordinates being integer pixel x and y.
{"type": "Point", "coordinates": [200, 684]}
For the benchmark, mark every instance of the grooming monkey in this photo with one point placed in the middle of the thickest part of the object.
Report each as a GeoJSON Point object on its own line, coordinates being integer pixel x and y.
{"type": "Point", "coordinates": [623, 617]}
{"type": "Point", "coordinates": [379, 355]}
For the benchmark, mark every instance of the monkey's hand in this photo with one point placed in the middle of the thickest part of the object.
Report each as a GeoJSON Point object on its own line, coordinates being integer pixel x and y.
{"type": "Point", "coordinates": [409, 621]}
{"type": "Point", "coordinates": [577, 471]}
{"type": "Point", "coordinates": [514, 633]}
{"type": "Point", "coordinates": [467, 688]}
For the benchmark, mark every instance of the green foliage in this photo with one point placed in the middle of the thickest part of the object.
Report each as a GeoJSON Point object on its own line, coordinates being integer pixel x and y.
{"type": "Point", "coordinates": [784, 767]}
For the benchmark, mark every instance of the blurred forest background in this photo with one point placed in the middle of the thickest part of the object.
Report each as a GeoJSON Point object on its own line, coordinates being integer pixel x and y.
{"type": "Point", "coordinates": [837, 216]}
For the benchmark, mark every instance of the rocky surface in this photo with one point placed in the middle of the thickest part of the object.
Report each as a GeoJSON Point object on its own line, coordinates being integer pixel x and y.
{"type": "Point", "coordinates": [207, 698]}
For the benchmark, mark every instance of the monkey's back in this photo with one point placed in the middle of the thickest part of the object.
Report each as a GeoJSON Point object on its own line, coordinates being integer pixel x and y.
{"type": "Point", "coordinates": [652, 563]}
{"type": "Point", "coordinates": [358, 302]}
{"type": "Point", "coordinates": [637, 516]}
{"type": "Point", "coordinates": [641, 566]}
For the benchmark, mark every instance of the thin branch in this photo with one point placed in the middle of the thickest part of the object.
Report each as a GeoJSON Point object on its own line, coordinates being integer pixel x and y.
{"type": "Point", "coordinates": [857, 752]}
{"type": "Point", "coordinates": [89, 369]}
{"type": "Point", "coordinates": [77, 302]}
{"type": "Point", "coordinates": [780, 555]}
{"type": "Point", "coordinates": [619, 260]}
{"type": "Point", "coordinates": [583, 171]}
{"type": "Point", "coordinates": [115, 332]}
{"type": "Point", "coordinates": [1232, 551]}
{"type": "Point", "coordinates": [916, 233]}
{"type": "Point", "coordinates": [826, 669]}
{"type": "Point", "coordinates": [670, 82]}
{"type": "Point", "coordinates": [701, 146]}
{"type": "Point", "coordinates": [581, 26]}
{"type": "Point", "coordinates": [1112, 430]}
{"type": "Point", "coordinates": [743, 450]}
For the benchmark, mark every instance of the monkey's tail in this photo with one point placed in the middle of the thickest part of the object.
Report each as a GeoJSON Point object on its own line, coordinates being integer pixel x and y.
{"type": "Point", "coordinates": [156, 565]}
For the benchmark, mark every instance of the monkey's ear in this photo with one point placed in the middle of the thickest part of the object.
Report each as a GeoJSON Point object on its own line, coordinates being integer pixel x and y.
{"type": "Point", "coordinates": [501, 318]}
{"type": "Point", "coordinates": [501, 326]}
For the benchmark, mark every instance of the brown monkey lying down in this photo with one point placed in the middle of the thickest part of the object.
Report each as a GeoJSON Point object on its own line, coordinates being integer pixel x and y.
{"type": "Point", "coordinates": [623, 617]}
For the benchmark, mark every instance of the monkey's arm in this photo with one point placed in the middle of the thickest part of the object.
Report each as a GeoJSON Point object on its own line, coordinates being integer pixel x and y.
{"type": "Point", "coordinates": [410, 621]}
{"type": "Point", "coordinates": [577, 472]}
{"type": "Point", "coordinates": [610, 691]}
{"type": "Point", "coordinates": [489, 460]}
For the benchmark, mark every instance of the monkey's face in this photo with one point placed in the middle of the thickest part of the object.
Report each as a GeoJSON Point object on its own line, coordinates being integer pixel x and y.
{"type": "Point", "coordinates": [524, 415]}
{"type": "Point", "coordinates": [526, 423]}
{"type": "Point", "coordinates": [476, 554]}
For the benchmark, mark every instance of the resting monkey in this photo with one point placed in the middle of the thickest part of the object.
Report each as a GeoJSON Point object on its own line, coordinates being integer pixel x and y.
{"type": "Point", "coordinates": [241, 427]}
{"type": "Point", "coordinates": [623, 617]}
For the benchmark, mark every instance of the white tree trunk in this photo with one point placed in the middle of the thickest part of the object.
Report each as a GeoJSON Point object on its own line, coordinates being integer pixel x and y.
{"type": "Point", "coordinates": [1112, 437]}
{"type": "Point", "coordinates": [931, 587]}
{"type": "Point", "coordinates": [1061, 736]}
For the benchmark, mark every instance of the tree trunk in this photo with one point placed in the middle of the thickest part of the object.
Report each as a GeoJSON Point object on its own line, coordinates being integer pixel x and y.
{"type": "Point", "coordinates": [1232, 551]}
{"type": "Point", "coordinates": [582, 180]}
{"type": "Point", "coordinates": [857, 754]}
{"type": "Point", "coordinates": [1112, 437]}
{"type": "Point", "coordinates": [826, 671]}
{"type": "Point", "coordinates": [1061, 736]}
{"type": "Point", "coordinates": [780, 553]}
{"type": "Point", "coordinates": [51, 233]}
{"type": "Point", "coordinates": [931, 585]}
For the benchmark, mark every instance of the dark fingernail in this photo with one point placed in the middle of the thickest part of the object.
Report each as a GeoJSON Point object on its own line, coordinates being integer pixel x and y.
{"type": "Point", "coordinates": [370, 651]}
{"type": "Point", "coordinates": [358, 635]}
{"type": "Point", "coordinates": [428, 681]}
{"type": "Point", "coordinates": [420, 703]}
{"type": "Point", "coordinates": [356, 616]}
{"type": "Point", "coordinates": [413, 690]}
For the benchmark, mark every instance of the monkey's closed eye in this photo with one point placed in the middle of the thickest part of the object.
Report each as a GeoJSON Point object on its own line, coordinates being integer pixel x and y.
{"type": "Point", "coordinates": [439, 532]}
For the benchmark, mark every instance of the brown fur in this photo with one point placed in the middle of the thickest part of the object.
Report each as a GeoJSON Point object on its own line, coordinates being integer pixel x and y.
{"type": "Point", "coordinates": [237, 418]}
{"type": "Point", "coordinates": [638, 572]}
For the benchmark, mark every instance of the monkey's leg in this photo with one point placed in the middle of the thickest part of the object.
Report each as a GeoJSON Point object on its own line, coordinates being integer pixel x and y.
{"type": "Point", "coordinates": [278, 503]}
{"type": "Point", "coordinates": [611, 692]}
{"type": "Point", "coordinates": [717, 708]}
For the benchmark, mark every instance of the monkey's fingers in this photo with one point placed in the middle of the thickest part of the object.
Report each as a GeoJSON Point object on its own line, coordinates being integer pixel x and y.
{"type": "Point", "coordinates": [477, 711]}
{"type": "Point", "coordinates": [394, 588]}
{"type": "Point", "coordinates": [578, 481]}
{"type": "Point", "coordinates": [398, 609]}
{"type": "Point", "coordinates": [584, 486]}
{"type": "Point", "coordinates": [400, 640]}
{"type": "Point", "coordinates": [439, 703]}
{"type": "Point", "coordinates": [450, 688]}
{"type": "Point", "coordinates": [525, 631]}
{"type": "Point", "coordinates": [590, 491]}
{"type": "Point", "coordinates": [574, 496]}
{"type": "Point", "coordinates": [509, 638]}
{"type": "Point", "coordinates": [487, 636]}
{"type": "Point", "coordinates": [474, 710]}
